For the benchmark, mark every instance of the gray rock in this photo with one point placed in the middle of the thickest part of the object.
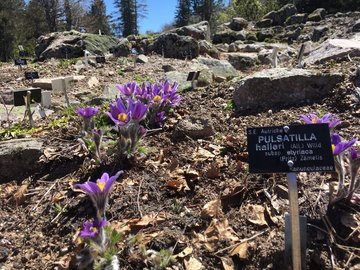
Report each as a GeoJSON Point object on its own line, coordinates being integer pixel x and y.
{"type": "Point", "coordinates": [206, 47]}
{"type": "Point", "coordinates": [279, 17]}
{"type": "Point", "coordinates": [242, 61]}
{"type": "Point", "coordinates": [222, 47]}
{"type": "Point", "coordinates": [319, 32]}
{"type": "Point", "coordinates": [293, 35]}
{"type": "Point", "coordinates": [356, 26]}
{"type": "Point", "coordinates": [264, 23]}
{"type": "Point", "coordinates": [265, 34]}
{"type": "Point", "coordinates": [334, 49]}
{"type": "Point", "coordinates": [296, 19]}
{"type": "Point", "coordinates": [221, 68]}
{"type": "Point", "coordinates": [195, 128]}
{"type": "Point", "coordinates": [281, 87]}
{"type": "Point", "coordinates": [233, 47]}
{"type": "Point", "coordinates": [142, 59]}
{"type": "Point", "coordinates": [225, 36]}
{"type": "Point", "coordinates": [168, 68]}
{"type": "Point", "coordinates": [173, 45]}
{"type": "Point", "coordinates": [53, 44]}
{"type": "Point", "coordinates": [122, 49]}
{"type": "Point", "coordinates": [317, 15]}
{"type": "Point", "coordinates": [19, 158]}
{"type": "Point", "coordinates": [238, 24]}
{"type": "Point", "coordinates": [180, 78]}
{"type": "Point", "coordinates": [199, 31]}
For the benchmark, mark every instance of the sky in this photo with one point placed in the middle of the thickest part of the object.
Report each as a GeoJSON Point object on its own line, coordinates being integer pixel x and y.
{"type": "Point", "coordinates": [160, 12]}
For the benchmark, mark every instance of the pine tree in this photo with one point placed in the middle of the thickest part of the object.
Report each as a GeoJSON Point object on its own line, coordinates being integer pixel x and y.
{"type": "Point", "coordinates": [68, 15]}
{"type": "Point", "coordinates": [11, 14]}
{"type": "Point", "coordinates": [129, 13]}
{"type": "Point", "coordinates": [183, 13]}
{"type": "Point", "coordinates": [98, 18]}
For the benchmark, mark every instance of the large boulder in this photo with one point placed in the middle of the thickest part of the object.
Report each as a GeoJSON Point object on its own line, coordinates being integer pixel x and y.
{"type": "Point", "coordinates": [279, 17]}
{"type": "Point", "coordinates": [122, 48]}
{"type": "Point", "coordinates": [199, 31]}
{"type": "Point", "coordinates": [72, 44]}
{"type": "Point", "coordinates": [220, 68]}
{"type": "Point", "coordinates": [296, 19]}
{"type": "Point", "coordinates": [242, 61]}
{"type": "Point", "coordinates": [280, 87]}
{"type": "Point", "coordinates": [334, 49]}
{"type": "Point", "coordinates": [317, 15]}
{"type": "Point", "coordinates": [172, 45]}
{"type": "Point", "coordinates": [238, 24]}
{"type": "Point", "coordinates": [19, 158]}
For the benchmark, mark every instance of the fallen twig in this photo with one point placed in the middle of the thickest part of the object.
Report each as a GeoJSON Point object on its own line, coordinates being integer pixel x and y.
{"type": "Point", "coordinates": [138, 198]}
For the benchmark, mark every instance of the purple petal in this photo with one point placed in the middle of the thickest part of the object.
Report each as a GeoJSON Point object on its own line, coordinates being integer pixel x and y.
{"type": "Point", "coordinates": [88, 187]}
{"type": "Point", "coordinates": [110, 181]}
{"type": "Point", "coordinates": [335, 139]}
{"type": "Point", "coordinates": [354, 154]}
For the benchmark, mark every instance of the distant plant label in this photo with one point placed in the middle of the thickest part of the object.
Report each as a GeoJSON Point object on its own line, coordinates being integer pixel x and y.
{"type": "Point", "coordinates": [193, 75]}
{"type": "Point", "coordinates": [307, 147]}
{"type": "Point", "coordinates": [20, 62]}
{"type": "Point", "coordinates": [20, 94]}
{"type": "Point", "coordinates": [100, 59]}
{"type": "Point", "coordinates": [30, 75]}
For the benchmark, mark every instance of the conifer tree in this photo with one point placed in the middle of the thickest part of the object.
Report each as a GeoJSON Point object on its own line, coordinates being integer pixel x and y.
{"type": "Point", "coordinates": [183, 13]}
{"type": "Point", "coordinates": [130, 11]}
{"type": "Point", "coordinates": [98, 19]}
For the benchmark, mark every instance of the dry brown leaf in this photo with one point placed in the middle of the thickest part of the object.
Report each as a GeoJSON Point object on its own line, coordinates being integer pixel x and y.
{"type": "Point", "coordinates": [256, 213]}
{"type": "Point", "coordinates": [212, 209]}
{"type": "Point", "coordinates": [213, 171]}
{"type": "Point", "coordinates": [135, 224]}
{"type": "Point", "coordinates": [59, 196]}
{"type": "Point", "coordinates": [19, 196]}
{"type": "Point", "coordinates": [227, 263]}
{"type": "Point", "coordinates": [242, 250]}
{"type": "Point", "coordinates": [202, 154]}
{"type": "Point", "coordinates": [186, 252]}
{"type": "Point", "coordinates": [217, 231]}
{"type": "Point", "coordinates": [179, 184]}
{"type": "Point", "coordinates": [193, 264]}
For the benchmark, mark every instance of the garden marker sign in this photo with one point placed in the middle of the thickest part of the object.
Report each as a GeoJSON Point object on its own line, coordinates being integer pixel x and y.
{"type": "Point", "coordinates": [291, 149]}
{"type": "Point", "coordinates": [193, 76]}
{"type": "Point", "coordinates": [31, 75]}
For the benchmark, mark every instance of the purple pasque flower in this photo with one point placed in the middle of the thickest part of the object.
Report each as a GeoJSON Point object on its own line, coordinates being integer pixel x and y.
{"type": "Point", "coordinates": [119, 113]}
{"type": "Point", "coordinates": [99, 191]}
{"type": "Point", "coordinates": [87, 112]}
{"type": "Point", "coordinates": [329, 118]}
{"type": "Point", "coordinates": [159, 118]}
{"type": "Point", "coordinates": [92, 229]}
{"type": "Point", "coordinates": [354, 154]}
{"type": "Point", "coordinates": [137, 109]}
{"type": "Point", "coordinates": [128, 89]}
{"type": "Point", "coordinates": [338, 145]}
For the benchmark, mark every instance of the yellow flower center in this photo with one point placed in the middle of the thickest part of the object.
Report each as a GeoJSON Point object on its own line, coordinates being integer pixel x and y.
{"type": "Point", "coordinates": [157, 98]}
{"type": "Point", "coordinates": [314, 120]}
{"type": "Point", "coordinates": [101, 185]}
{"type": "Point", "coordinates": [333, 147]}
{"type": "Point", "coordinates": [122, 117]}
{"type": "Point", "coordinates": [94, 229]}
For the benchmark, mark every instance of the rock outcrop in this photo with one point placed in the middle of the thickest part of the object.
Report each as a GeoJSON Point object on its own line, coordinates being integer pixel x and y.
{"type": "Point", "coordinates": [280, 87]}
{"type": "Point", "coordinates": [71, 44]}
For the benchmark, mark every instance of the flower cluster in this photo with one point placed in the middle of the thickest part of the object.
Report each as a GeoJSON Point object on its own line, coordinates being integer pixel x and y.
{"type": "Point", "coordinates": [344, 153]}
{"type": "Point", "coordinates": [127, 116]}
{"type": "Point", "coordinates": [147, 104]}
{"type": "Point", "coordinates": [95, 231]}
{"type": "Point", "coordinates": [160, 97]}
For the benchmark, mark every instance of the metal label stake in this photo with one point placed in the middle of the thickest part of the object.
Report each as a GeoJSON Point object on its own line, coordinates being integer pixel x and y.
{"type": "Point", "coordinates": [294, 219]}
